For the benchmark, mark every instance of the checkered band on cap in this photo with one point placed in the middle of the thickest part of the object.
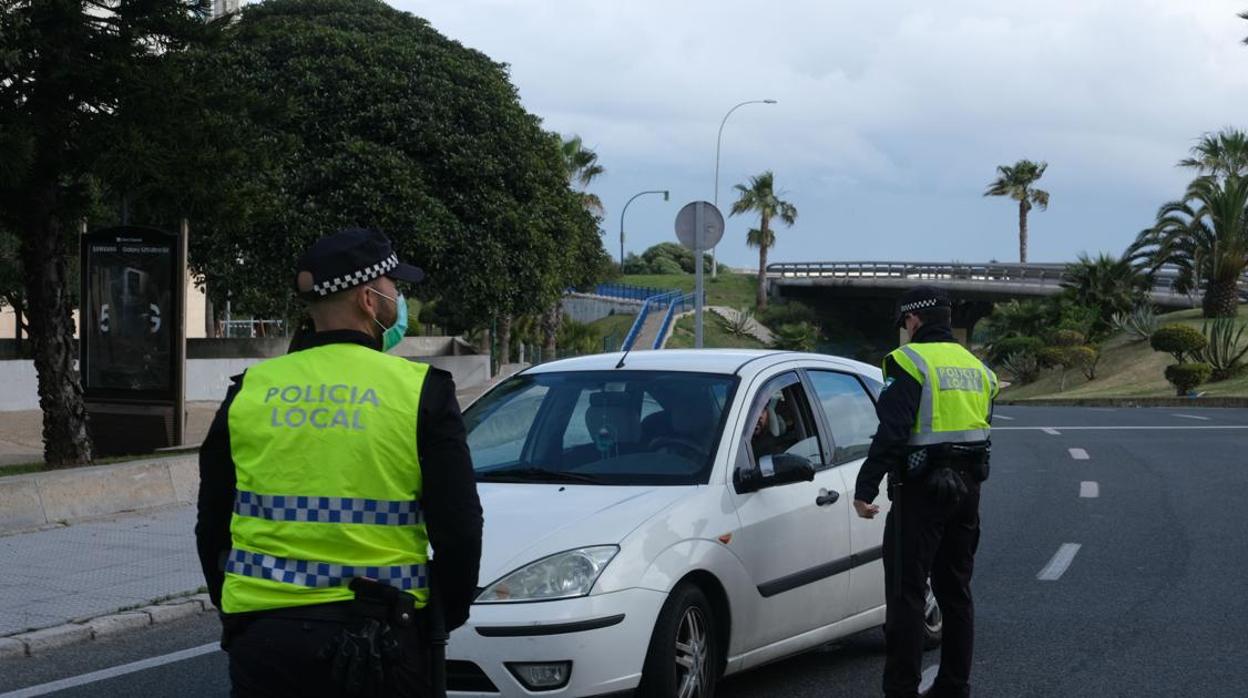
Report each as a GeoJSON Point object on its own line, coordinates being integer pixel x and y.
{"type": "Point", "coordinates": [356, 510]}
{"type": "Point", "coordinates": [355, 278]}
{"type": "Point", "coordinates": [322, 575]}
{"type": "Point", "coordinates": [920, 305]}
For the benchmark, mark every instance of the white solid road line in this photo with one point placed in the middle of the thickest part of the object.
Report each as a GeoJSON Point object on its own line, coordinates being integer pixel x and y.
{"type": "Point", "coordinates": [1194, 427]}
{"type": "Point", "coordinates": [1056, 567]}
{"type": "Point", "coordinates": [1192, 416]}
{"type": "Point", "coordinates": [1078, 454]}
{"type": "Point", "coordinates": [929, 677]}
{"type": "Point", "coordinates": [103, 674]}
{"type": "Point", "coordinates": [1089, 490]}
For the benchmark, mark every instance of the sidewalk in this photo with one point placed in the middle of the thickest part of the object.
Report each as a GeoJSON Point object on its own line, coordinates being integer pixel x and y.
{"type": "Point", "coordinates": [93, 568]}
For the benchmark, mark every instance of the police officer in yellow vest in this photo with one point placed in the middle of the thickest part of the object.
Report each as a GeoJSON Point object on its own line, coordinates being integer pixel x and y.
{"type": "Point", "coordinates": [933, 443]}
{"type": "Point", "coordinates": [326, 476]}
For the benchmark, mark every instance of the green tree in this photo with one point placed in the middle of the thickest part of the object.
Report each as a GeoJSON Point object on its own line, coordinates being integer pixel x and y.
{"type": "Point", "coordinates": [361, 114]}
{"type": "Point", "coordinates": [1110, 285]}
{"type": "Point", "coordinates": [761, 197]}
{"type": "Point", "coordinates": [70, 74]}
{"type": "Point", "coordinates": [1204, 235]}
{"type": "Point", "coordinates": [1018, 181]}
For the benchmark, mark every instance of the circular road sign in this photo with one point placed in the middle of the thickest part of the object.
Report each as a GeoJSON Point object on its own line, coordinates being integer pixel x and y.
{"type": "Point", "coordinates": [712, 226]}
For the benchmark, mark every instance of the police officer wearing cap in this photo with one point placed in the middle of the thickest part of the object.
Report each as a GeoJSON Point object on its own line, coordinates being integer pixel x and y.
{"type": "Point", "coordinates": [325, 478]}
{"type": "Point", "coordinates": [933, 443]}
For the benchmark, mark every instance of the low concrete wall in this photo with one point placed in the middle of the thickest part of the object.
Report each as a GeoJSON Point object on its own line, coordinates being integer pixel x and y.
{"type": "Point", "coordinates": [584, 307]}
{"type": "Point", "coordinates": [207, 379]}
{"type": "Point", "coordinates": [31, 501]}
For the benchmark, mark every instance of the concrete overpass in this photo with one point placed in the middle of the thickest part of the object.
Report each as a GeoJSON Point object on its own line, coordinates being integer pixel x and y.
{"type": "Point", "coordinates": [990, 283]}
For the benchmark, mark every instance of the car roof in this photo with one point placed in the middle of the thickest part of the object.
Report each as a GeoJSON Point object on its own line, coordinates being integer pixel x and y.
{"type": "Point", "coordinates": [723, 361]}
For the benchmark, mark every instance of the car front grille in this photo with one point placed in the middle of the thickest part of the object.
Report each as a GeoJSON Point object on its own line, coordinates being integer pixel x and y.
{"type": "Point", "coordinates": [467, 676]}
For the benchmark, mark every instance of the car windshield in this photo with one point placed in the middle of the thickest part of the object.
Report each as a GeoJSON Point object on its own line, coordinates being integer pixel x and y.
{"type": "Point", "coordinates": [600, 427]}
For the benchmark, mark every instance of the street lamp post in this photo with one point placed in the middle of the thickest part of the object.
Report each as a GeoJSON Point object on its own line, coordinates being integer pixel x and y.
{"type": "Point", "coordinates": [718, 140]}
{"type": "Point", "coordinates": [665, 194]}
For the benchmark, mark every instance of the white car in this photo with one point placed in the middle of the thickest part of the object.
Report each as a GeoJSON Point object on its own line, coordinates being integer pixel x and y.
{"type": "Point", "coordinates": [656, 521]}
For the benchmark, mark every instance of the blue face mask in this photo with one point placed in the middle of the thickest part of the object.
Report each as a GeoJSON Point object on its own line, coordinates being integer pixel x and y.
{"type": "Point", "coordinates": [392, 335]}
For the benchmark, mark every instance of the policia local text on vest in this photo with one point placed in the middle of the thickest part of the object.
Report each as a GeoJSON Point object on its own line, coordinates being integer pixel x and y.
{"type": "Point", "coordinates": [933, 444]}
{"type": "Point", "coordinates": [325, 477]}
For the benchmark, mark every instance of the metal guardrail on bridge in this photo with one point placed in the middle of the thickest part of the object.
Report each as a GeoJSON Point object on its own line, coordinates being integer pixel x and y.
{"type": "Point", "coordinates": [1164, 280]}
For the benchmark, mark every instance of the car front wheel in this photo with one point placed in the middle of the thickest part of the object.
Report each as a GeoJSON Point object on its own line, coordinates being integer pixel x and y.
{"type": "Point", "coordinates": [684, 658]}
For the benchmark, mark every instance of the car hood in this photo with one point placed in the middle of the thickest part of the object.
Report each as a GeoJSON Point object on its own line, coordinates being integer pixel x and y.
{"type": "Point", "coordinates": [526, 522]}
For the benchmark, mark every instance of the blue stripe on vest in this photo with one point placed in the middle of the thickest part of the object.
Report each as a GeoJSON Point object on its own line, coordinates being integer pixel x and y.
{"type": "Point", "coordinates": [321, 575]}
{"type": "Point", "coordinates": [277, 507]}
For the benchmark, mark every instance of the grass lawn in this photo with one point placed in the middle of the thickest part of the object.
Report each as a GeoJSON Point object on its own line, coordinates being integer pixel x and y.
{"type": "Point", "coordinates": [1129, 368]}
{"type": "Point", "coordinates": [613, 326]}
{"type": "Point", "coordinates": [732, 290]}
{"type": "Point", "coordinates": [714, 335]}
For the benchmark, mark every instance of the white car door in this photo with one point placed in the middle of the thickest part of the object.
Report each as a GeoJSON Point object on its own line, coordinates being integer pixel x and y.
{"type": "Point", "coordinates": [793, 537]}
{"type": "Point", "coordinates": [849, 415]}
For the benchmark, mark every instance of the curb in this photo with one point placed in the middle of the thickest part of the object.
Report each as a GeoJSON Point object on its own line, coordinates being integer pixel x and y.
{"type": "Point", "coordinates": [31, 502]}
{"type": "Point", "coordinates": [1215, 402]}
{"type": "Point", "coordinates": [34, 642]}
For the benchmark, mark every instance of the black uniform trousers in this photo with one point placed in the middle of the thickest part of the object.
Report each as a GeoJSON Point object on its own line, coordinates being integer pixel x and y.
{"type": "Point", "coordinates": [940, 543]}
{"type": "Point", "coordinates": [273, 657]}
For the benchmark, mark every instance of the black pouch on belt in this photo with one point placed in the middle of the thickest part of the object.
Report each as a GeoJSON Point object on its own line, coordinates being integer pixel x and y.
{"type": "Point", "coordinates": [359, 652]}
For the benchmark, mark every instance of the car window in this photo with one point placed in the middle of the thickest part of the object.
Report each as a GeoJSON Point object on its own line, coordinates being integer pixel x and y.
{"type": "Point", "coordinates": [781, 422]}
{"type": "Point", "coordinates": [613, 427]}
{"type": "Point", "coordinates": [849, 411]}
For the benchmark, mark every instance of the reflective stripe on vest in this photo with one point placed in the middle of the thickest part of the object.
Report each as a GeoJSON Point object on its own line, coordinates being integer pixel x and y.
{"type": "Point", "coordinates": [321, 575]}
{"type": "Point", "coordinates": [960, 373]}
{"type": "Point", "coordinates": [278, 507]}
{"type": "Point", "coordinates": [328, 479]}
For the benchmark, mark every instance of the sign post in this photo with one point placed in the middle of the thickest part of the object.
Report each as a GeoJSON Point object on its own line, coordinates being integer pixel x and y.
{"type": "Point", "coordinates": [699, 227]}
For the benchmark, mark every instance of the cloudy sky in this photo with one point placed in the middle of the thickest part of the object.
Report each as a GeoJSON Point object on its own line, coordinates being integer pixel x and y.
{"type": "Point", "coordinates": [892, 116]}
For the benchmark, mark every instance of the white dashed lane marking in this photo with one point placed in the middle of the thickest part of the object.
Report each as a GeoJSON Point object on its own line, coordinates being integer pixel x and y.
{"type": "Point", "coordinates": [1050, 431]}
{"type": "Point", "coordinates": [995, 417]}
{"type": "Point", "coordinates": [1060, 563]}
{"type": "Point", "coordinates": [1193, 416]}
{"type": "Point", "coordinates": [1078, 454]}
{"type": "Point", "coordinates": [1089, 490]}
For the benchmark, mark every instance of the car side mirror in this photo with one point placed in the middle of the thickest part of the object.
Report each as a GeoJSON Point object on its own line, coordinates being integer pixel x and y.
{"type": "Point", "coordinates": [774, 471]}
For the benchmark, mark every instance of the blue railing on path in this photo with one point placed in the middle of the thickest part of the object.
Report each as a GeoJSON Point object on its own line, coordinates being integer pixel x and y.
{"type": "Point", "coordinates": [677, 306]}
{"type": "Point", "coordinates": [661, 300]}
{"type": "Point", "coordinates": [629, 292]}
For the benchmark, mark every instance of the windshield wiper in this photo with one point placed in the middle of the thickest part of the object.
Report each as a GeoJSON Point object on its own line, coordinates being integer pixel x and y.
{"type": "Point", "coordinates": [535, 475]}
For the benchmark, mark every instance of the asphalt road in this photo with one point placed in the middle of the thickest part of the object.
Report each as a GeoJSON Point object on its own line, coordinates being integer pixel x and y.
{"type": "Point", "coordinates": [1152, 603]}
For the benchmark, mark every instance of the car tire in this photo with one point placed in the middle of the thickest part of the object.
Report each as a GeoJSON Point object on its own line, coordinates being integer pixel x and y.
{"type": "Point", "coordinates": [684, 659]}
{"type": "Point", "coordinates": [933, 621]}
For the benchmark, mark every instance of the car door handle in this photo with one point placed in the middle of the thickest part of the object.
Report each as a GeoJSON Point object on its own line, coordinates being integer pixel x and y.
{"type": "Point", "coordinates": [825, 498]}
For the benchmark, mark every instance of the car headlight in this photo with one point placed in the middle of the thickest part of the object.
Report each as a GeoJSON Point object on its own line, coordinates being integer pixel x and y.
{"type": "Point", "coordinates": [563, 575]}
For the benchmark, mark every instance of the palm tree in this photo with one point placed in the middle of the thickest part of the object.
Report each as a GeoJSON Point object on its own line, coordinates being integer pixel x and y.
{"type": "Point", "coordinates": [760, 196]}
{"type": "Point", "coordinates": [582, 166]}
{"type": "Point", "coordinates": [1015, 181]}
{"type": "Point", "coordinates": [1220, 154]}
{"type": "Point", "coordinates": [1110, 285]}
{"type": "Point", "coordinates": [1205, 235]}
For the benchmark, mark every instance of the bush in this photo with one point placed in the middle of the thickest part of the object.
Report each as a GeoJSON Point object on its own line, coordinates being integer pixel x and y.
{"type": "Point", "coordinates": [1023, 367]}
{"type": "Point", "coordinates": [1140, 323]}
{"type": "Point", "coordinates": [788, 313]}
{"type": "Point", "coordinates": [741, 326]}
{"type": "Point", "coordinates": [1185, 377]}
{"type": "Point", "coordinates": [1010, 346]}
{"type": "Point", "coordinates": [1069, 338]}
{"type": "Point", "coordinates": [1222, 352]}
{"type": "Point", "coordinates": [1086, 359]}
{"type": "Point", "coordinates": [798, 336]}
{"type": "Point", "coordinates": [1179, 341]}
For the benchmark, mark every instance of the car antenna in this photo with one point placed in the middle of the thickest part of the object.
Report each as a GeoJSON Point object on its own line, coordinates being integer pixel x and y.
{"type": "Point", "coordinates": [625, 356]}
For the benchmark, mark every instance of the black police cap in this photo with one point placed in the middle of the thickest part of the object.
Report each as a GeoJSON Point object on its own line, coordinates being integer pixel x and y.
{"type": "Point", "coordinates": [921, 298]}
{"type": "Point", "coordinates": [348, 258]}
